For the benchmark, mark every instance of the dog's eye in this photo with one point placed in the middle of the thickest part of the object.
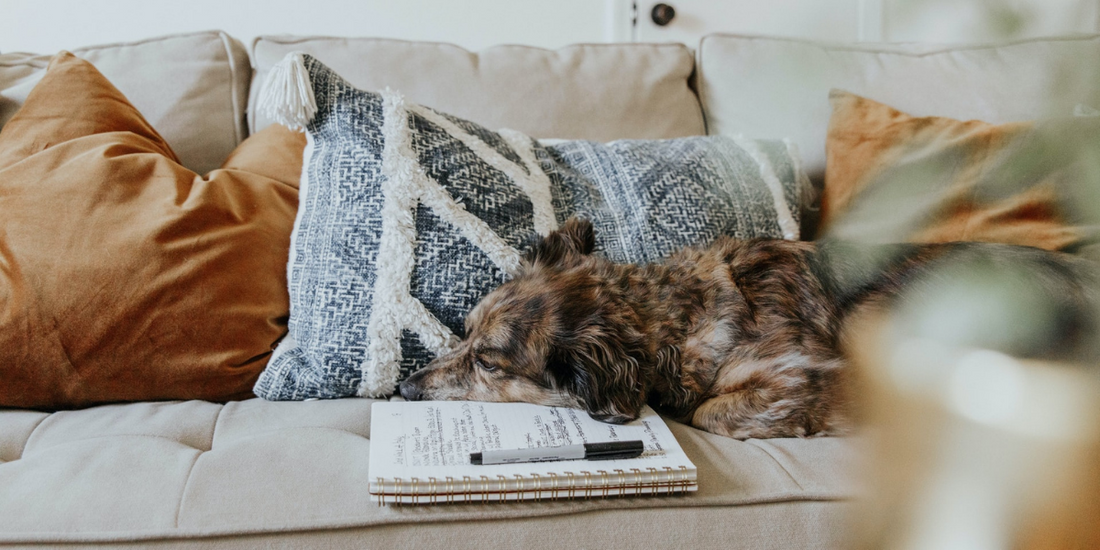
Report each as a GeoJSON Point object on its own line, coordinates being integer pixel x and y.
{"type": "Point", "coordinates": [485, 366]}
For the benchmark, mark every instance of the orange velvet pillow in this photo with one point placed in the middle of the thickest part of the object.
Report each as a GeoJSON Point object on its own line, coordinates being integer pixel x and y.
{"type": "Point", "coordinates": [123, 275]}
{"type": "Point", "coordinates": [891, 176]}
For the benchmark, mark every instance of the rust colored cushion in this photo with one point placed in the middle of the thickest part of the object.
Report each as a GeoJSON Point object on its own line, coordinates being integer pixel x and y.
{"type": "Point", "coordinates": [123, 275]}
{"type": "Point", "coordinates": [895, 177]}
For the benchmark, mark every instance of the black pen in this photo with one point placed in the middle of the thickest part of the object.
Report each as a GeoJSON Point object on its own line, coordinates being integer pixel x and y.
{"type": "Point", "coordinates": [589, 451]}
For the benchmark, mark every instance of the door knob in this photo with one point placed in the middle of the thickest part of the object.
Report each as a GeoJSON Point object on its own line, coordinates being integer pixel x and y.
{"type": "Point", "coordinates": [662, 14]}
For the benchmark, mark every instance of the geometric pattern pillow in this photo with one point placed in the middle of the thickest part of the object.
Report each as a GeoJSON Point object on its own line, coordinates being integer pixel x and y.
{"type": "Point", "coordinates": [408, 217]}
{"type": "Point", "coordinates": [648, 198]}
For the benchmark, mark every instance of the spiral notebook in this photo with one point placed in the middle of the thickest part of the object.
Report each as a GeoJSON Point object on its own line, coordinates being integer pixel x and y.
{"type": "Point", "coordinates": [420, 454]}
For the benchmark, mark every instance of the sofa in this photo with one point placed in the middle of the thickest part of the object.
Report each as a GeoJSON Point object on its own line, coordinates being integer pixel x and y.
{"type": "Point", "coordinates": [256, 473]}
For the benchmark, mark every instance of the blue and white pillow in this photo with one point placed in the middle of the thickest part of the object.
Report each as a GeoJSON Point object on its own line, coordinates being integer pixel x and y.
{"type": "Point", "coordinates": [649, 198]}
{"type": "Point", "coordinates": [408, 216]}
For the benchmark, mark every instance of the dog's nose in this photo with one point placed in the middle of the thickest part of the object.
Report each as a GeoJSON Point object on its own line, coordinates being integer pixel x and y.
{"type": "Point", "coordinates": [411, 392]}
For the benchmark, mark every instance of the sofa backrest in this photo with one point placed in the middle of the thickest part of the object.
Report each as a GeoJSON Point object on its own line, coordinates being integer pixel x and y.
{"type": "Point", "coordinates": [192, 88]}
{"type": "Point", "coordinates": [587, 91]}
{"type": "Point", "coordinates": [197, 89]}
{"type": "Point", "coordinates": [779, 88]}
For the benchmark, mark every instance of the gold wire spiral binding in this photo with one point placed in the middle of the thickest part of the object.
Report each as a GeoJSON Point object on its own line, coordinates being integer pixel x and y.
{"type": "Point", "coordinates": [554, 484]}
{"type": "Point", "coordinates": [637, 480]}
{"type": "Point", "coordinates": [538, 485]}
{"type": "Point", "coordinates": [416, 490]}
{"type": "Point", "coordinates": [622, 481]}
{"type": "Point", "coordinates": [650, 480]}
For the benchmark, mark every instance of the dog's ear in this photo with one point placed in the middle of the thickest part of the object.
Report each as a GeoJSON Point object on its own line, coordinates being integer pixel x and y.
{"type": "Point", "coordinates": [575, 237]}
{"type": "Point", "coordinates": [604, 376]}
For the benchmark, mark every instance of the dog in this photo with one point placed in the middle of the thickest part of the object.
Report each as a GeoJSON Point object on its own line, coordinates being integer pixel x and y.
{"type": "Point", "coordinates": [741, 338]}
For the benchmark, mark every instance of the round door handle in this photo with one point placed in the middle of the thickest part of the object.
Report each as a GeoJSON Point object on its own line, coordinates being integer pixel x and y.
{"type": "Point", "coordinates": [662, 14]}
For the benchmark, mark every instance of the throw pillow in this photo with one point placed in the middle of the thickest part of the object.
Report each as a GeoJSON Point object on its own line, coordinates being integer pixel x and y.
{"type": "Point", "coordinates": [409, 216]}
{"type": "Point", "coordinates": [123, 275]}
{"type": "Point", "coordinates": [891, 176]}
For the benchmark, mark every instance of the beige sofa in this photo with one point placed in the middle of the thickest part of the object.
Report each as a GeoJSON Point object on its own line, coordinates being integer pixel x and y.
{"type": "Point", "coordinates": [265, 474]}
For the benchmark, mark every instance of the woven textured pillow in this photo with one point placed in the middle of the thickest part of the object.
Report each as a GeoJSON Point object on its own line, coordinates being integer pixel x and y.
{"type": "Point", "coordinates": [895, 177]}
{"type": "Point", "coordinates": [123, 275]}
{"type": "Point", "coordinates": [409, 216]}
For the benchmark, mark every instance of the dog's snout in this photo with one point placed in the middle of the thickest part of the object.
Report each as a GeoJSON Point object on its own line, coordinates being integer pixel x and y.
{"type": "Point", "coordinates": [411, 391]}
{"type": "Point", "coordinates": [616, 418]}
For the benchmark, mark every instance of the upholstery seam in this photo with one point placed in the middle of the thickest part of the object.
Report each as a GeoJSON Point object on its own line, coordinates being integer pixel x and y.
{"type": "Point", "coordinates": [781, 466]}
{"type": "Point", "coordinates": [182, 444]}
{"type": "Point", "coordinates": [700, 85]}
{"type": "Point", "coordinates": [701, 116]}
{"type": "Point", "coordinates": [165, 38]}
{"type": "Point", "coordinates": [191, 471]}
{"type": "Point", "coordinates": [234, 93]}
{"type": "Point", "coordinates": [286, 40]}
{"type": "Point", "coordinates": [217, 422]}
{"type": "Point", "coordinates": [356, 521]}
{"type": "Point", "coordinates": [109, 436]}
{"type": "Point", "coordinates": [186, 484]}
{"type": "Point", "coordinates": [34, 430]}
{"type": "Point", "coordinates": [250, 115]}
{"type": "Point", "coordinates": [41, 60]}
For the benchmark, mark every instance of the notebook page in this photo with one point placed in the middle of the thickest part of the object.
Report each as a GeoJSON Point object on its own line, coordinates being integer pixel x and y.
{"type": "Point", "coordinates": [435, 438]}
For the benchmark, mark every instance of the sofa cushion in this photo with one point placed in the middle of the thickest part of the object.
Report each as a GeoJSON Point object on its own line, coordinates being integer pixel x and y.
{"type": "Point", "coordinates": [193, 88]}
{"type": "Point", "coordinates": [179, 470]}
{"type": "Point", "coordinates": [778, 87]}
{"type": "Point", "coordinates": [410, 216]}
{"type": "Point", "coordinates": [894, 177]}
{"type": "Point", "coordinates": [590, 91]}
{"type": "Point", "coordinates": [124, 275]}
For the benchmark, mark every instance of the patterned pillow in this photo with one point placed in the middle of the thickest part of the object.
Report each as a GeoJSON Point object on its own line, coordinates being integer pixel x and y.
{"type": "Point", "coordinates": [648, 198]}
{"type": "Point", "coordinates": [409, 216]}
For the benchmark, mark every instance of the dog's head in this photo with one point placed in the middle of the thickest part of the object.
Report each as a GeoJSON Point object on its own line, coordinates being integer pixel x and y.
{"type": "Point", "coordinates": [557, 334]}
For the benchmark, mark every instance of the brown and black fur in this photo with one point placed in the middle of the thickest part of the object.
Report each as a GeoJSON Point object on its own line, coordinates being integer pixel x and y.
{"type": "Point", "coordinates": [741, 338]}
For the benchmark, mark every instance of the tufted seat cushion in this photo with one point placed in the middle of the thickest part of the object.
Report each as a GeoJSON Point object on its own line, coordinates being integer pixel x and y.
{"type": "Point", "coordinates": [178, 470]}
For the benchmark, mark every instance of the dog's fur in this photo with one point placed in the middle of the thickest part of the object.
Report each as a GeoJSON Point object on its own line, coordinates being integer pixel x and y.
{"type": "Point", "coordinates": [741, 338]}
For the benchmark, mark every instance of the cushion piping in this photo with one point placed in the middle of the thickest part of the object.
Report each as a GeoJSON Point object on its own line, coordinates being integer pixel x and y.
{"type": "Point", "coordinates": [23, 449]}
{"type": "Point", "coordinates": [239, 128]}
{"type": "Point", "coordinates": [349, 522]}
{"type": "Point", "coordinates": [700, 115]}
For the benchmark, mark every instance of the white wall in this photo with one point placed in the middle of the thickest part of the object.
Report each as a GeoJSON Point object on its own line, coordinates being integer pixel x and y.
{"type": "Point", "coordinates": [46, 26]}
{"type": "Point", "coordinates": [872, 20]}
{"type": "Point", "coordinates": [986, 20]}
